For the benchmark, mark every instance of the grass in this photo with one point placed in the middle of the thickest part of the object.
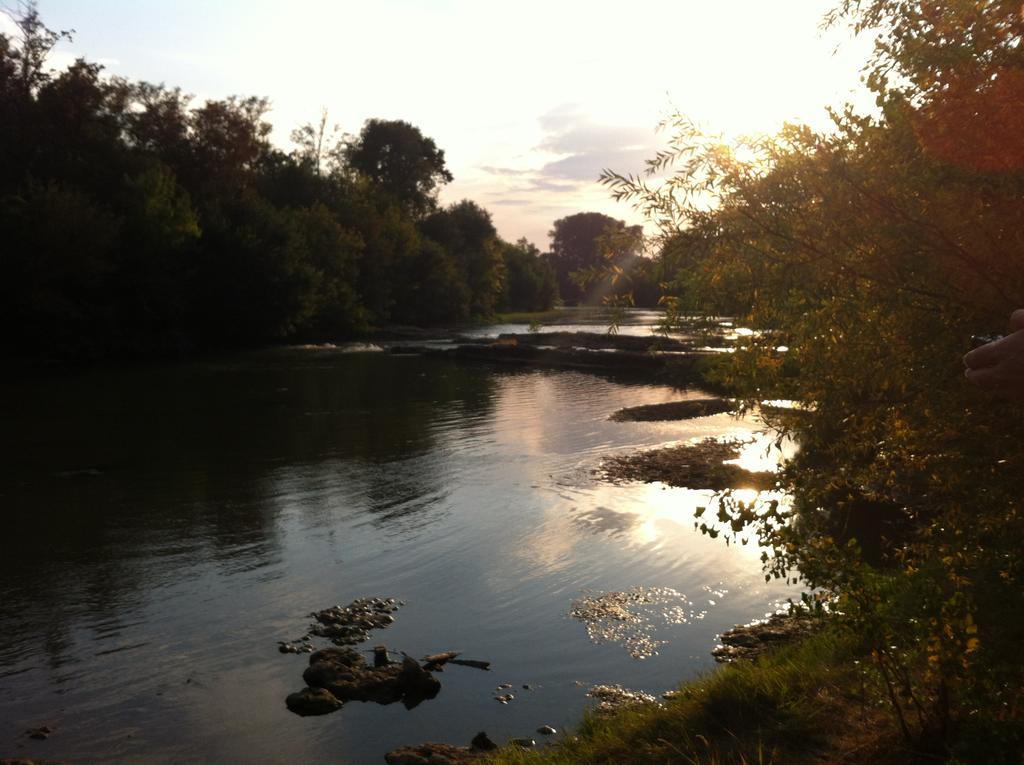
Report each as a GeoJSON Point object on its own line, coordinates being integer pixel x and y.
{"type": "Point", "coordinates": [805, 703]}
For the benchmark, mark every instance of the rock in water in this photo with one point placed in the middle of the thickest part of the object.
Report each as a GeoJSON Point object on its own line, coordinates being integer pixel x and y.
{"type": "Point", "coordinates": [312, 701]}
{"type": "Point", "coordinates": [673, 410]}
{"type": "Point", "coordinates": [351, 624]}
{"type": "Point", "coordinates": [417, 684]}
{"type": "Point", "coordinates": [482, 742]}
{"type": "Point", "coordinates": [547, 730]}
{"type": "Point", "coordinates": [611, 698]}
{"type": "Point", "coordinates": [344, 673]}
{"type": "Point", "coordinates": [416, 676]}
{"type": "Point", "coordinates": [751, 640]}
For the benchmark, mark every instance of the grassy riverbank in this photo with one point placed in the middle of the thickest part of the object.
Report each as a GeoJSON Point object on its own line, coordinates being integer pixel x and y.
{"type": "Point", "coordinates": [808, 702]}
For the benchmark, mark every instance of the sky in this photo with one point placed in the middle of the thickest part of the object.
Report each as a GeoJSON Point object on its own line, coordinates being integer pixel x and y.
{"type": "Point", "coordinates": [529, 100]}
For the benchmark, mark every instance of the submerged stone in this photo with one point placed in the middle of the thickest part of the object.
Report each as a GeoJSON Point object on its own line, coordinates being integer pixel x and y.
{"type": "Point", "coordinates": [312, 701]}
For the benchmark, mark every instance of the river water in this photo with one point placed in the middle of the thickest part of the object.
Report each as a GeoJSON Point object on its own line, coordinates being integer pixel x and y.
{"type": "Point", "coordinates": [165, 526]}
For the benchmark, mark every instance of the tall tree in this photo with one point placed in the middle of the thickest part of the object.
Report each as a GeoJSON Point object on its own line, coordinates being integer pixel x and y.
{"type": "Point", "coordinates": [229, 139]}
{"type": "Point", "coordinates": [529, 279]}
{"type": "Point", "coordinates": [317, 145]}
{"type": "Point", "coordinates": [401, 162]}
{"type": "Point", "coordinates": [466, 232]}
{"type": "Point", "coordinates": [586, 241]}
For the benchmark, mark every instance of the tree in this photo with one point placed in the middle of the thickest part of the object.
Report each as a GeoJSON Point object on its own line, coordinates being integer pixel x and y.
{"type": "Point", "coordinates": [229, 138]}
{"type": "Point", "coordinates": [22, 73]}
{"type": "Point", "coordinates": [466, 232]}
{"type": "Point", "coordinates": [29, 56]}
{"type": "Point", "coordinates": [317, 145]}
{"type": "Point", "coordinates": [80, 120]}
{"type": "Point", "coordinates": [400, 161]}
{"type": "Point", "coordinates": [865, 257]}
{"type": "Point", "coordinates": [257, 281]}
{"type": "Point", "coordinates": [150, 286]}
{"type": "Point", "coordinates": [530, 283]}
{"type": "Point", "coordinates": [587, 241]}
{"type": "Point", "coordinates": [56, 262]}
{"type": "Point", "coordinates": [334, 252]}
{"type": "Point", "coordinates": [432, 291]}
{"type": "Point", "coordinates": [158, 123]}
{"type": "Point", "coordinates": [136, 223]}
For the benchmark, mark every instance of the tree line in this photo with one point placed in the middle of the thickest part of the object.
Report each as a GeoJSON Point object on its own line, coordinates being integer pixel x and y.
{"type": "Point", "coordinates": [867, 257]}
{"type": "Point", "coordinates": [138, 223]}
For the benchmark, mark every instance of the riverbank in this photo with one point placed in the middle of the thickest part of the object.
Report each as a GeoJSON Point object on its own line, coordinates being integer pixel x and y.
{"type": "Point", "coordinates": [806, 702]}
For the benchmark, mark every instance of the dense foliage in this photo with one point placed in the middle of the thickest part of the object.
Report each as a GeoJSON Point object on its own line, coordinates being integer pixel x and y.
{"type": "Point", "coordinates": [137, 223]}
{"type": "Point", "coordinates": [866, 258]}
{"type": "Point", "coordinates": [587, 245]}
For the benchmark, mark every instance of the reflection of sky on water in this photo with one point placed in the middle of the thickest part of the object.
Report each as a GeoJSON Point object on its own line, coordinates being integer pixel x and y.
{"type": "Point", "coordinates": [145, 601]}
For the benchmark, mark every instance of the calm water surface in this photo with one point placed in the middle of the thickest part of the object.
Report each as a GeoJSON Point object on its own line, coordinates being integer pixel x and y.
{"type": "Point", "coordinates": [164, 527]}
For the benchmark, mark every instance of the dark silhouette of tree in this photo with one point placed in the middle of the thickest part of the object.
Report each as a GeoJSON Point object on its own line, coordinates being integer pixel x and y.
{"type": "Point", "coordinates": [317, 145]}
{"type": "Point", "coordinates": [36, 40]}
{"type": "Point", "coordinates": [135, 223]}
{"type": "Point", "coordinates": [433, 290]}
{"type": "Point", "coordinates": [159, 123]}
{"type": "Point", "coordinates": [530, 282]}
{"type": "Point", "coordinates": [466, 232]}
{"type": "Point", "coordinates": [584, 242]}
{"type": "Point", "coordinates": [400, 161]}
{"type": "Point", "coordinates": [229, 138]}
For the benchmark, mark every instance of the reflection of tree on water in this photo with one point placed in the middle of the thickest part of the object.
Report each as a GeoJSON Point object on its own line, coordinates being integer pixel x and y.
{"type": "Point", "coordinates": [118, 482]}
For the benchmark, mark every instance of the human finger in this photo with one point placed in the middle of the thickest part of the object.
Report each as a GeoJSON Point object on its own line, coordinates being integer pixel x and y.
{"type": "Point", "coordinates": [987, 378]}
{"type": "Point", "coordinates": [985, 355]}
{"type": "Point", "coordinates": [1017, 320]}
{"type": "Point", "coordinates": [992, 380]}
